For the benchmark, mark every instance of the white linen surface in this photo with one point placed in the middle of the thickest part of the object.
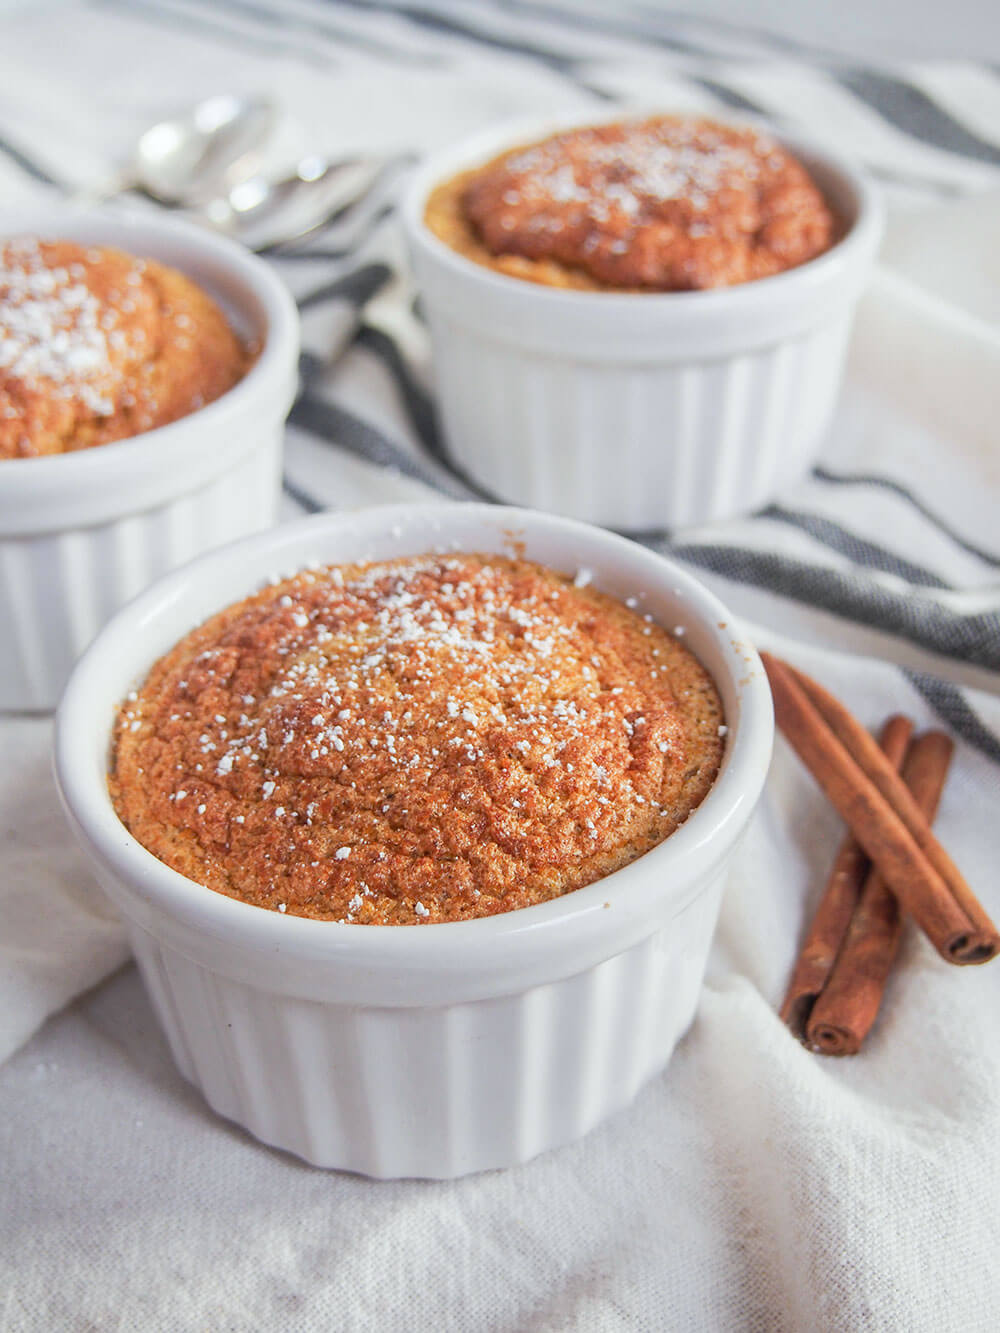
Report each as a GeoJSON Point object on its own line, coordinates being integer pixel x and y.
{"type": "Point", "coordinates": [752, 1186]}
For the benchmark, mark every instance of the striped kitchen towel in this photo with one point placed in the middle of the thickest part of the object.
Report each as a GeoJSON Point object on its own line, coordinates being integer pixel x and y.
{"type": "Point", "coordinates": [754, 1186]}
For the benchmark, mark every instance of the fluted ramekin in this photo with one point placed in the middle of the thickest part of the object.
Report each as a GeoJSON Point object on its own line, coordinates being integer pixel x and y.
{"type": "Point", "coordinates": [639, 410]}
{"type": "Point", "coordinates": [431, 1050]}
{"type": "Point", "coordinates": [81, 533]}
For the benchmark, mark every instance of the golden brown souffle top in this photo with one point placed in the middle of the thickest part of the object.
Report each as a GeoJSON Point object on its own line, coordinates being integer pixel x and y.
{"type": "Point", "coordinates": [662, 204]}
{"type": "Point", "coordinates": [96, 345]}
{"type": "Point", "coordinates": [421, 740]}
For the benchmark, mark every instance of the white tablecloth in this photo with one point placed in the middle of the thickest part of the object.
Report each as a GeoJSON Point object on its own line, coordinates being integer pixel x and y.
{"type": "Point", "coordinates": [753, 1185]}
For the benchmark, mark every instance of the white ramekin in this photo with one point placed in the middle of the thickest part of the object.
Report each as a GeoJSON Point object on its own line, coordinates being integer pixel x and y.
{"type": "Point", "coordinates": [640, 411]}
{"type": "Point", "coordinates": [82, 533]}
{"type": "Point", "coordinates": [421, 1050]}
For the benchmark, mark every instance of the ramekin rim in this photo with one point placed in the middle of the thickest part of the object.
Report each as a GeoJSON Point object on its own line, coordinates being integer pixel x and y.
{"type": "Point", "coordinates": [861, 236]}
{"type": "Point", "coordinates": [724, 808]}
{"type": "Point", "coordinates": [263, 376]}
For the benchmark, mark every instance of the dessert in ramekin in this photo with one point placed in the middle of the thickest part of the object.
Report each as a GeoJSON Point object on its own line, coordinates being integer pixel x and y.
{"type": "Point", "coordinates": [82, 531]}
{"type": "Point", "coordinates": [430, 739]}
{"type": "Point", "coordinates": [97, 345]}
{"type": "Point", "coordinates": [655, 204]}
{"type": "Point", "coordinates": [426, 1049]}
{"type": "Point", "coordinates": [633, 405]}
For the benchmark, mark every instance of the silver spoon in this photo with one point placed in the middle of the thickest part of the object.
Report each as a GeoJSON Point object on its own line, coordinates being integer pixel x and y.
{"type": "Point", "coordinates": [190, 158]}
{"type": "Point", "coordinates": [264, 213]}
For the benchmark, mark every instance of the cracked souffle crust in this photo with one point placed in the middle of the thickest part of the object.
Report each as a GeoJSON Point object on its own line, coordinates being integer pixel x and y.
{"type": "Point", "coordinates": [421, 740]}
{"type": "Point", "coordinates": [666, 203]}
{"type": "Point", "coordinates": [96, 345]}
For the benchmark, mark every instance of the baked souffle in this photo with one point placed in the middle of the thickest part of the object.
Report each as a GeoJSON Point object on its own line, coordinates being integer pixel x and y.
{"type": "Point", "coordinates": [97, 345]}
{"type": "Point", "coordinates": [665, 203]}
{"type": "Point", "coordinates": [426, 739]}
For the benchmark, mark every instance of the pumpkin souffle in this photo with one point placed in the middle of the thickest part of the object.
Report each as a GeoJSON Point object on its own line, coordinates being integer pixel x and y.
{"type": "Point", "coordinates": [97, 345]}
{"type": "Point", "coordinates": [418, 740]}
{"type": "Point", "coordinates": [666, 203]}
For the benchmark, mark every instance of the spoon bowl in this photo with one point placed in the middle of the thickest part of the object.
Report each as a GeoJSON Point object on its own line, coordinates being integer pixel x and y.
{"type": "Point", "coordinates": [186, 159]}
{"type": "Point", "coordinates": [262, 212]}
{"type": "Point", "coordinates": [194, 156]}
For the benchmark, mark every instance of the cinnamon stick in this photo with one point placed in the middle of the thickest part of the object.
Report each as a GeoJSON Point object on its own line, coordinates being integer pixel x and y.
{"type": "Point", "coordinates": [955, 923]}
{"type": "Point", "coordinates": [863, 749]}
{"type": "Point", "coordinates": [844, 1013]}
{"type": "Point", "coordinates": [837, 905]}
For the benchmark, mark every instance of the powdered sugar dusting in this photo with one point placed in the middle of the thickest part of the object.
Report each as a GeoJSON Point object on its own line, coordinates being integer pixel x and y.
{"type": "Point", "coordinates": [53, 328]}
{"type": "Point", "coordinates": [645, 165]}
